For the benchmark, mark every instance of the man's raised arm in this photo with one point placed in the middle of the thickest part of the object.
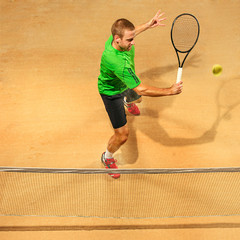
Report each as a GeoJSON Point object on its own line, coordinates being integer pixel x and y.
{"type": "Point", "coordinates": [154, 22]}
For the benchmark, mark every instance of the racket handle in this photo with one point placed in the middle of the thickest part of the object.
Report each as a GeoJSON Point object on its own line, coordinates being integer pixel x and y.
{"type": "Point", "coordinates": [179, 75]}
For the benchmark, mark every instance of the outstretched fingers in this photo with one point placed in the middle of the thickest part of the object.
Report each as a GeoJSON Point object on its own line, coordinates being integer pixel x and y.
{"type": "Point", "coordinates": [157, 19]}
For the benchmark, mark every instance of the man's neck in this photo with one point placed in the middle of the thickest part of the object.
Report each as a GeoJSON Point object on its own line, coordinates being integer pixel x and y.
{"type": "Point", "coordinates": [116, 46]}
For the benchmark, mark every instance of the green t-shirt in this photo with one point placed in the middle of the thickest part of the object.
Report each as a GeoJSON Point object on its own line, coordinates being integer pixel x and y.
{"type": "Point", "coordinates": [117, 70]}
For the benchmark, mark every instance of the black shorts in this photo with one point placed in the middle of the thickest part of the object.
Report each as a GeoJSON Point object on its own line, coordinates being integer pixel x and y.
{"type": "Point", "coordinates": [115, 109]}
{"type": "Point", "coordinates": [115, 106]}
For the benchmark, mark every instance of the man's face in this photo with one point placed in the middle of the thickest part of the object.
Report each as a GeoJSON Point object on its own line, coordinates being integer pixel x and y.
{"type": "Point", "coordinates": [125, 43]}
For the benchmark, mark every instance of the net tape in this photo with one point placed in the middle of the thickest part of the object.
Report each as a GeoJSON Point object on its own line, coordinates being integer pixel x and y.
{"type": "Point", "coordinates": [121, 171]}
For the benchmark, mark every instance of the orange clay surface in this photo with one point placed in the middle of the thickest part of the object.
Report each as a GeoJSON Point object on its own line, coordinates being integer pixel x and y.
{"type": "Point", "coordinates": [52, 115]}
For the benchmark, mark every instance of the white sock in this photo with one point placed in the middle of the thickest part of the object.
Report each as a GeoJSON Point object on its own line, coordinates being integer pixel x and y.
{"type": "Point", "coordinates": [108, 154]}
{"type": "Point", "coordinates": [126, 103]}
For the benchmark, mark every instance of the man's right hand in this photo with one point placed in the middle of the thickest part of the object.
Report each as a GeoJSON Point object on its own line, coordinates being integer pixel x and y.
{"type": "Point", "coordinates": [176, 88]}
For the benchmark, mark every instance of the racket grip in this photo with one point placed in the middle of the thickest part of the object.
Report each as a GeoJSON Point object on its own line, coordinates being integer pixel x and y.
{"type": "Point", "coordinates": [179, 75]}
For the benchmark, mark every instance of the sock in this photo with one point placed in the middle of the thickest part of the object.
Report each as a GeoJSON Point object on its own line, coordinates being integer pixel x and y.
{"type": "Point", "coordinates": [126, 103]}
{"type": "Point", "coordinates": [108, 154]}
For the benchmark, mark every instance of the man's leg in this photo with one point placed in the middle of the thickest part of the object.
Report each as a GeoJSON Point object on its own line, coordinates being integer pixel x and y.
{"type": "Point", "coordinates": [118, 139]}
{"type": "Point", "coordinates": [115, 109]}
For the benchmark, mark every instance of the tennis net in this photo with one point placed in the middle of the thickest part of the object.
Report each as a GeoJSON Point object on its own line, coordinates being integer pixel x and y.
{"type": "Point", "coordinates": [138, 193]}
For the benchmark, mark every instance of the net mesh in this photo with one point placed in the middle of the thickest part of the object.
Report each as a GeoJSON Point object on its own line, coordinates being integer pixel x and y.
{"type": "Point", "coordinates": [185, 32]}
{"type": "Point", "coordinates": [138, 195]}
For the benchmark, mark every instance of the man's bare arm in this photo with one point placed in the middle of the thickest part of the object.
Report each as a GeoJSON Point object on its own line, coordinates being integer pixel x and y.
{"type": "Point", "coordinates": [154, 22]}
{"type": "Point", "coordinates": [151, 91]}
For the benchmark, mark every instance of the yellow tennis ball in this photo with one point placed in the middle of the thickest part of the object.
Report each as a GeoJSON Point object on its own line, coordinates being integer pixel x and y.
{"type": "Point", "coordinates": [217, 69]}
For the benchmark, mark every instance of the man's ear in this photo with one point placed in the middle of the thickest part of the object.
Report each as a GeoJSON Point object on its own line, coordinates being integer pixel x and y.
{"type": "Point", "coordinates": [116, 38]}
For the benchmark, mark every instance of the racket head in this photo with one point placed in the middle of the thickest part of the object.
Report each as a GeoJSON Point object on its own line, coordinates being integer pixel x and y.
{"type": "Point", "coordinates": [185, 32]}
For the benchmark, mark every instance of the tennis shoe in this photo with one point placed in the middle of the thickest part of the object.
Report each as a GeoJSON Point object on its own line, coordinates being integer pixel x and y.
{"type": "Point", "coordinates": [132, 108]}
{"type": "Point", "coordinates": [110, 163]}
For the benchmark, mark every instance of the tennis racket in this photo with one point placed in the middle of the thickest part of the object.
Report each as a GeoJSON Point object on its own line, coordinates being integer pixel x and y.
{"type": "Point", "coordinates": [184, 36]}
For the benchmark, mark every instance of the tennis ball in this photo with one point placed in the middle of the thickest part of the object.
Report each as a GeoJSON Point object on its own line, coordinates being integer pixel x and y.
{"type": "Point", "coordinates": [216, 69]}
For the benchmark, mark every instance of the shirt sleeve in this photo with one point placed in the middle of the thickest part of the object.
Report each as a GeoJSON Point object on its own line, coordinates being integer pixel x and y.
{"type": "Point", "coordinates": [127, 75]}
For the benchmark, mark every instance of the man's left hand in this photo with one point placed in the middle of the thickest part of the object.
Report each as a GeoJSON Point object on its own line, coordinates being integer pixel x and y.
{"type": "Point", "coordinates": [157, 20]}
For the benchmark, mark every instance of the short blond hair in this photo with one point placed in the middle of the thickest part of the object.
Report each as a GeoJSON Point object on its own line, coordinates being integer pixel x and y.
{"type": "Point", "coordinates": [120, 25]}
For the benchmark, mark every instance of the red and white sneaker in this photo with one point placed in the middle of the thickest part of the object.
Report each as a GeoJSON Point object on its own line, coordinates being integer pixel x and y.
{"type": "Point", "coordinates": [110, 163]}
{"type": "Point", "coordinates": [132, 108]}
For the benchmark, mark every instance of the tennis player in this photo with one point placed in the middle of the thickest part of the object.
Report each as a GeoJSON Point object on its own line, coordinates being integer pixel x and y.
{"type": "Point", "coordinates": [119, 85]}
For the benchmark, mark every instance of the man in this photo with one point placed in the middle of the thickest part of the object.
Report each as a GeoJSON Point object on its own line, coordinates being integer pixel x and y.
{"type": "Point", "coordinates": [118, 84]}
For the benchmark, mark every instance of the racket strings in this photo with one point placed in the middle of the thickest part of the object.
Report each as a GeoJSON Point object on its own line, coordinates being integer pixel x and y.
{"type": "Point", "coordinates": [185, 33]}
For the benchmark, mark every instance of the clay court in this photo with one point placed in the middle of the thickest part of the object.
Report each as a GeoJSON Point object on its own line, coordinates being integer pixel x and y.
{"type": "Point", "coordinates": [52, 115]}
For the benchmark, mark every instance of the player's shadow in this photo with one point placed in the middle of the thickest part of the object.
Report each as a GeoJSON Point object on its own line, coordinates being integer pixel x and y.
{"type": "Point", "coordinates": [157, 133]}
{"type": "Point", "coordinates": [149, 124]}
